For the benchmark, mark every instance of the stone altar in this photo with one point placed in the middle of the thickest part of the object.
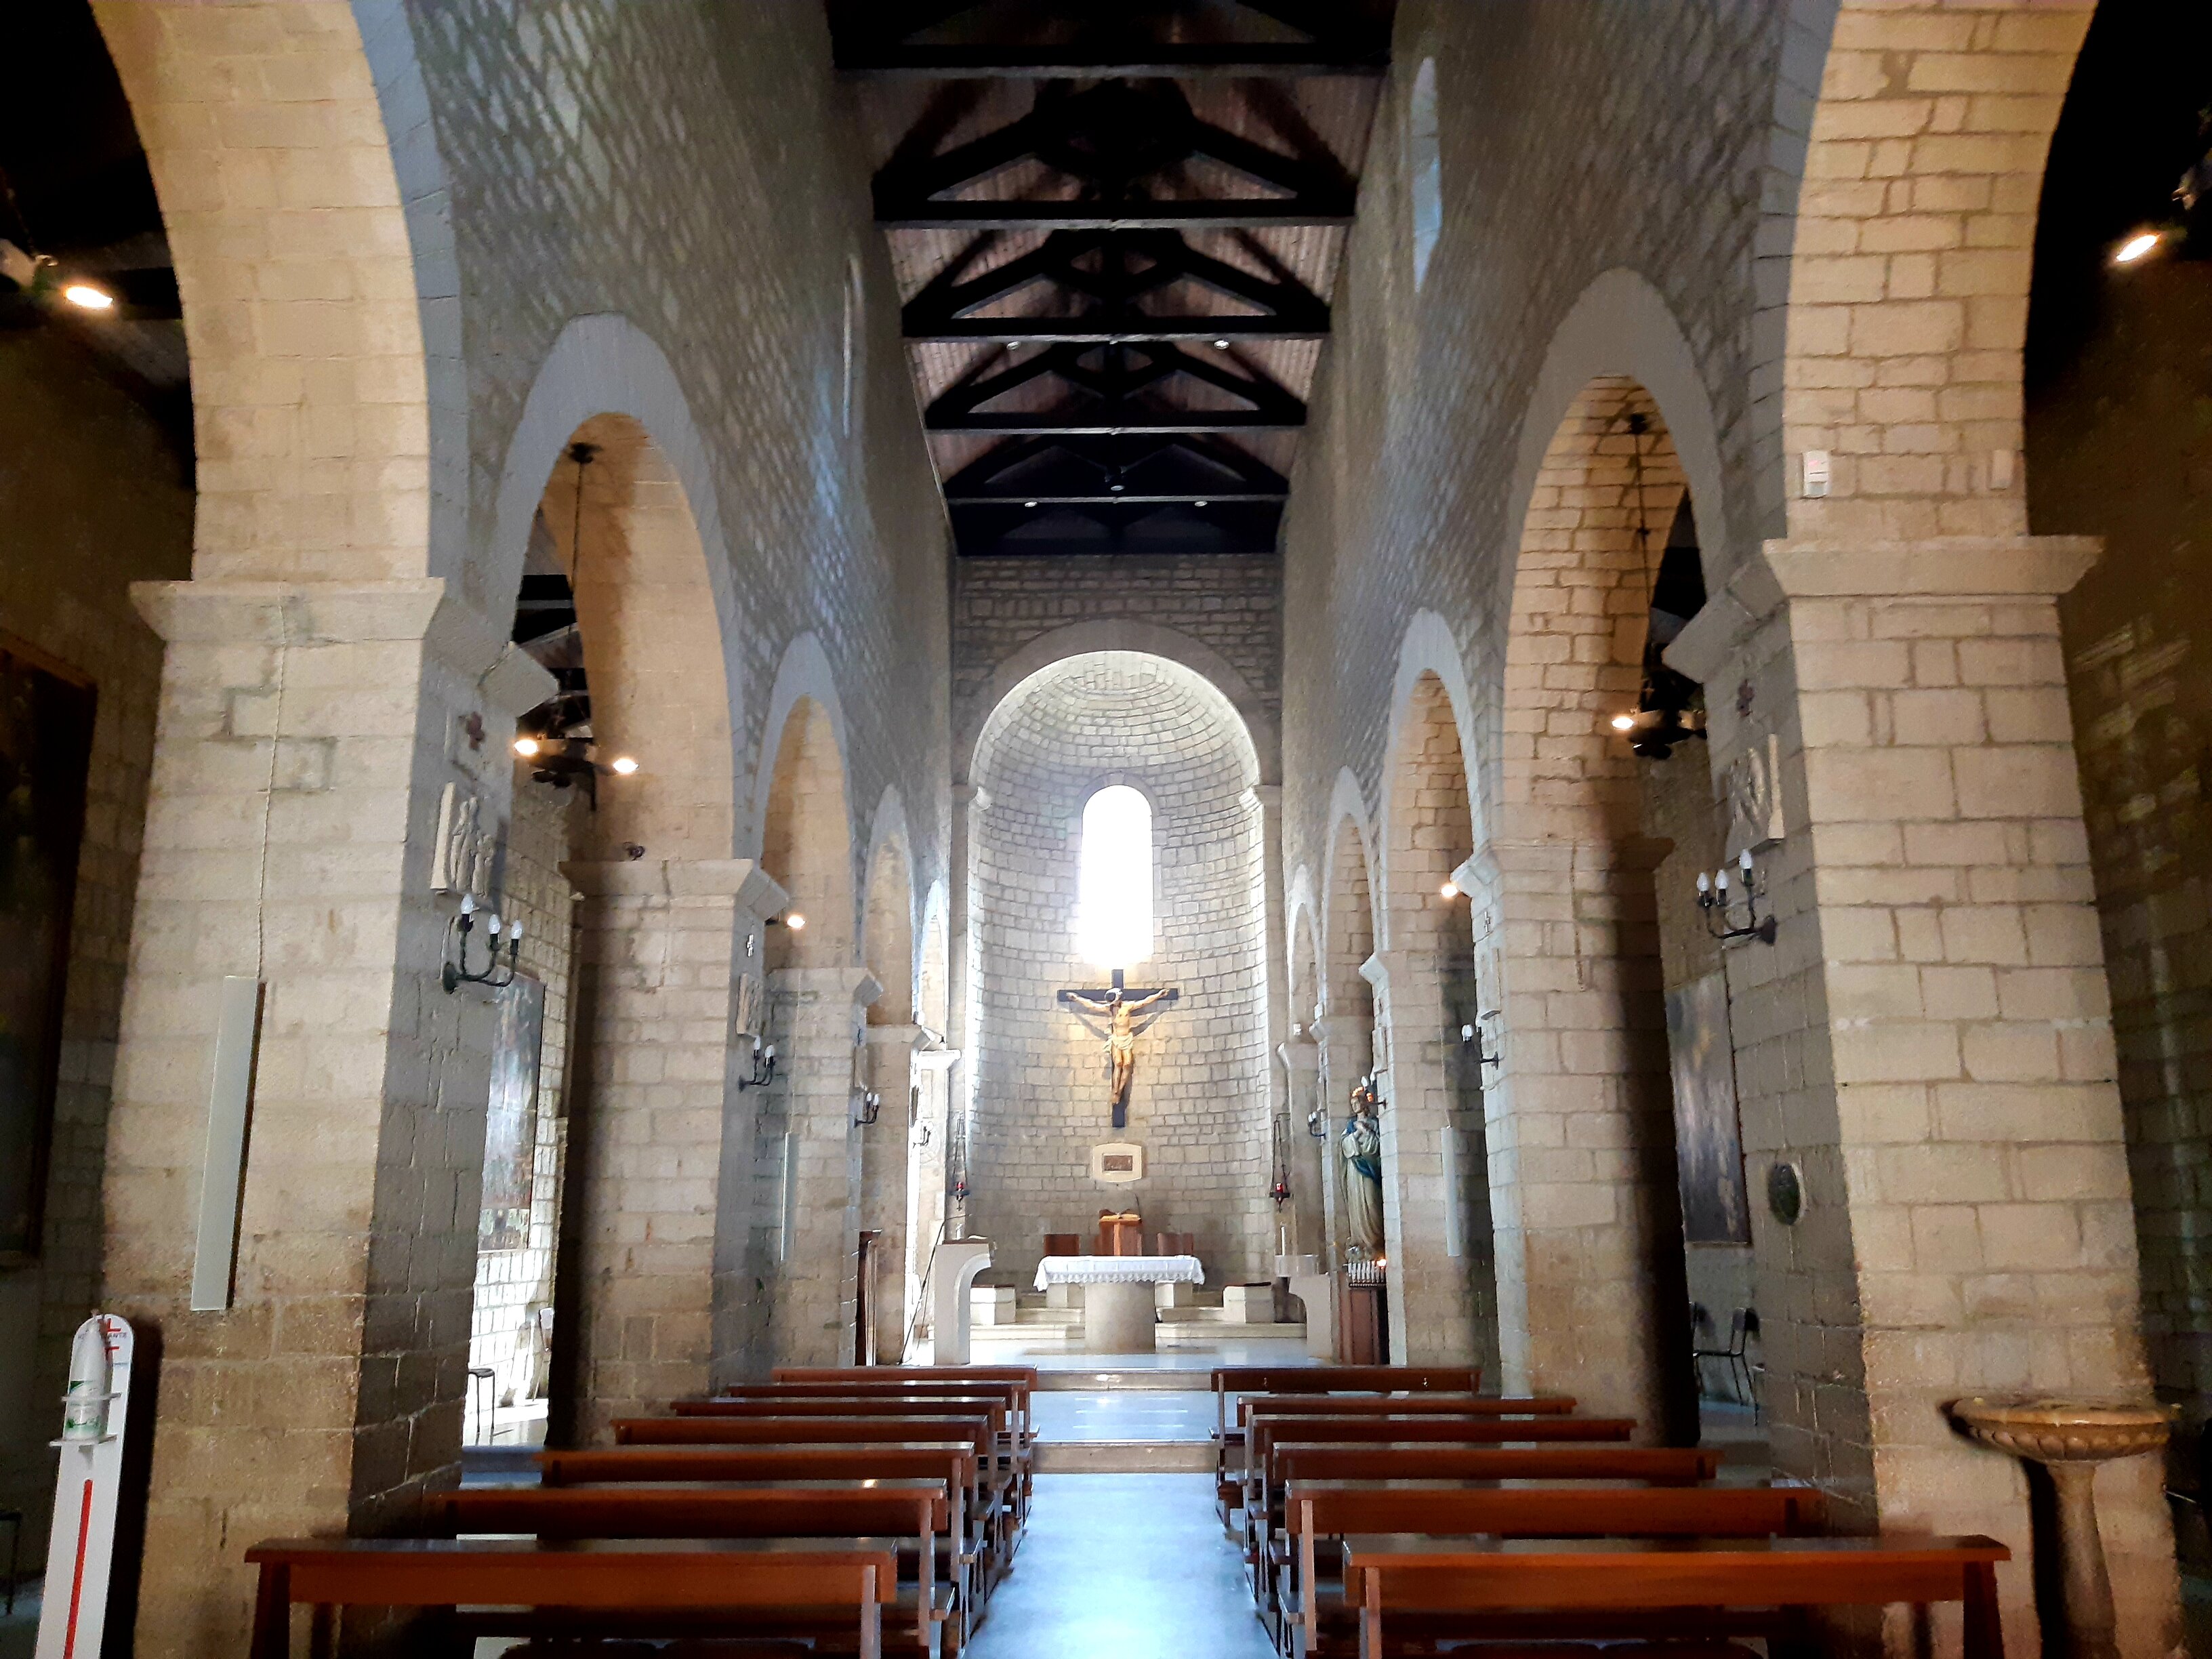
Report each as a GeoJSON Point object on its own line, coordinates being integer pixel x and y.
{"type": "Point", "coordinates": [1118, 1294]}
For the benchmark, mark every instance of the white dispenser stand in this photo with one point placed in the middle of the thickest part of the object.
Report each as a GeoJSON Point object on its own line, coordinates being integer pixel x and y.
{"type": "Point", "coordinates": [958, 1261]}
{"type": "Point", "coordinates": [81, 1556]}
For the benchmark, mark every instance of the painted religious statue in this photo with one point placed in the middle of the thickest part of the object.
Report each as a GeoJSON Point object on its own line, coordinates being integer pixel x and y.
{"type": "Point", "coordinates": [1362, 1147]}
{"type": "Point", "coordinates": [1119, 1008]}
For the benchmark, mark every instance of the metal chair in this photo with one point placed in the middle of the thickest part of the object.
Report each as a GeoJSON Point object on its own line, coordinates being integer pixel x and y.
{"type": "Point", "coordinates": [484, 1387]}
{"type": "Point", "coordinates": [1743, 1324]}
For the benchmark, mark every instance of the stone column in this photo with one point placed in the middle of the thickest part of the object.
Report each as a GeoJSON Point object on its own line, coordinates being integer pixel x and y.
{"type": "Point", "coordinates": [969, 803]}
{"type": "Point", "coordinates": [818, 1013]}
{"type": "Point", "coordinates": [1300, 1058]}
{"type": "Point", "coordinates": [309, 735]}
{"type": "Point", "coordinates": [1345, 1050]}
{"type": "Point", "coordinates": [926, 1204]}
{"type": "Point", "coordinates": [658, 1213]}
{"type": "Point", "coordinates": [885, 1164]}
{"type": "Point", "coordinates": [1270, 1221]}
{"type": "Point", "coordinates": [1438, 1310]}
{"type": "Point", "coordinates": [1927, 1039]}
{"type": "Point", "coordinates": [1579, 1116]}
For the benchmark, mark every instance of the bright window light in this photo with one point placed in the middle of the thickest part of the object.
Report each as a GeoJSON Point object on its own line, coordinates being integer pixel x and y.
{"type": "Point", "coordinates": [1114, 879]}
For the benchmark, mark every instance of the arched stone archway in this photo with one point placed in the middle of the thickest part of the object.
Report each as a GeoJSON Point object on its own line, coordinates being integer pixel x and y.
{"type": "Point", "coordinates": [1436, 1181]}
{"type": "Point", "coordinates": [810, 1144]}
{"type": "Point", "coordinates": [1346, 1026]}
{"type": "Point", "coordinates": [1565, 939]}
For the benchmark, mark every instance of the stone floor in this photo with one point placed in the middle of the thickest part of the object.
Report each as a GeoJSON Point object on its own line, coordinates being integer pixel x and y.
{"type": "Point", "coordinates": [1139, 1414]}
{"type": "Point", "coordinates": [1123, 1567]}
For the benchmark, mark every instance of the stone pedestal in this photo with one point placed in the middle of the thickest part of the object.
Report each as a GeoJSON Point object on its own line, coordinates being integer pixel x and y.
{"type": "Point", "coordinates": [1318, 1292]}
{"type": "Point", "coordinates": [1176, 1294]}
{"type": "Point", "coordinates": [991, 1305]}
{"type": "Point", "coordinates": [1117, 1317]}
{"type": "Point", "coordinates": [958, 1261]}
{"type": "Point", "coordinates": [2069, 1439]}
{"type": "Point", "coordinates": [1063, 1295]}
{"type": "Point", "coordinates": [1249, 1304]}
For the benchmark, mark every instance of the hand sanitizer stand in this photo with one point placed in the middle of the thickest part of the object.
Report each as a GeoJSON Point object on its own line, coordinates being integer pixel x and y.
{"type": "Point", "coordinates": [958, 1261]}
{"type": "Point", "coordinates": [81, 1553]}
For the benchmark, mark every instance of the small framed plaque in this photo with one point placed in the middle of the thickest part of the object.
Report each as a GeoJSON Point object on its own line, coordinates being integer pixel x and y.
{"type": "Point", "coordinates": [1117, 1161]}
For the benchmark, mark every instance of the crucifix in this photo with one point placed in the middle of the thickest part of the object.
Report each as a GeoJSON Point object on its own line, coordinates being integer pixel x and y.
{"type": "Point", "coordinates": [1119, 1007]}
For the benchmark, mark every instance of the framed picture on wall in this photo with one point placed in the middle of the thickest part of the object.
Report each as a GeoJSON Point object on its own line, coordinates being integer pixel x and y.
{"type": "Point", "coordinates": [511, 1120]}
{"type": "Point", "coordinates": [46, 757]}
{"type": "Point", "coordinates": [1708, 1138]}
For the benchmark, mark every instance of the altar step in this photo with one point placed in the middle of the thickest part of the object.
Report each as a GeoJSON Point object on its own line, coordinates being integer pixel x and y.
{"type": "Point", "coordinates": [1124, 1458]}
{"type": "Point", "coordinates": [1069, 1379]}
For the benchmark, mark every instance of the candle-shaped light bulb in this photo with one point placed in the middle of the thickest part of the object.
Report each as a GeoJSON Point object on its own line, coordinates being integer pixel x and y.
{"type": "Point", "coordinates": [495, 927]}
{"type": "Point", "coordinates": [514, 932]}
{"type": "Point", "coordinates": [1720, 880]}
{"type": "Point", "coordinates": [468, 905]}
{"type": "Point", "coordinates": [1705, 884]}
{"type": "Point", "coordinates": [1743, 860]}
{"type": "Point", "coordinates": [770, 1051]}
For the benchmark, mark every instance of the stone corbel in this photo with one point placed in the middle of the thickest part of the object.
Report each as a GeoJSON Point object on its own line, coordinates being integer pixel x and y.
{"type": "Point", "coordinates": [741, 879]}
{"type": "Point", "coordinates": [1950, 568]}
{"type": "Point", "coordinates": [215, 612]}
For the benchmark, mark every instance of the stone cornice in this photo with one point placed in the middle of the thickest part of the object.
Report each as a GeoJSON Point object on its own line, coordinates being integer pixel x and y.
{"type": "Point", "coordinates": [741, 879]}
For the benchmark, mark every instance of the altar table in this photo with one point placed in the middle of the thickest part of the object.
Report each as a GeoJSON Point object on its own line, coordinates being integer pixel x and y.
{"type": "Point", "coordinates": [1118, 1294]}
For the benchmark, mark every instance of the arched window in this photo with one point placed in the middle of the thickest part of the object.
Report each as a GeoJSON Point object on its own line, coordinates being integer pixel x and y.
{"type": "Point", "coordinates": [1114, 879]}
{"type": "Point", "coordinates": [1425, 168]}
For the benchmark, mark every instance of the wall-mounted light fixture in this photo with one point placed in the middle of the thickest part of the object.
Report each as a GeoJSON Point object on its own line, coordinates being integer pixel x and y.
{"type": "Point", "coordinates": [868, 1107]}
{"type": "Point", "coordinates": [791, 919]}
{"type": "Point", "coordinates": [1471, 1036]}
{"type": "Point", "coordinates": [763, 1071]}
{"type": "Point", "coordinates": [1317, 1121]}
{"type": "Point", "coordinates": [1720, 911]}
{"type": "Point", "coordinates": [495, 975]}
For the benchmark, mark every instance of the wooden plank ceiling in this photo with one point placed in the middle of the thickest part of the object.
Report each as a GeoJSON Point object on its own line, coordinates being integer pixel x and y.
{"type": "Point", "coordinates": [1116, 228]}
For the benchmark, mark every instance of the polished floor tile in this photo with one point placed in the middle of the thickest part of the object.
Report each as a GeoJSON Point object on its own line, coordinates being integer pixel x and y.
{"type": "Point", "coordinates": [1139, 1414]}
{"type": "Point", "coordinates": [1123, 1567]}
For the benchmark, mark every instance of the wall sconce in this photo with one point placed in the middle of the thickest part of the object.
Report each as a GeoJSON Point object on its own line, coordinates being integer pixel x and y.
{"type": "Point", "coordinates": [1720, 909]}
{"type": "Point", "coordinates": [1471, 1035]}
{"type": "Point", "coordinates": [791, 919]}
{"type": "Point", "coordinates": [867, 1108]}
{"type": "Point", "coordinates": [1317, 1122]}
{"type": "Point", "coordinates": [496, 977]}
{"type": "Point", "coordinates": [763, 1071]}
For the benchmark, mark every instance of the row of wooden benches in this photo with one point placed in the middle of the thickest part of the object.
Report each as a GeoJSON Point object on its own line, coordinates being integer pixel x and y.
{"type": "Point", "coordinates": [838, 1511]}
{"type": "Point", "coordinates": [1385, 1511]}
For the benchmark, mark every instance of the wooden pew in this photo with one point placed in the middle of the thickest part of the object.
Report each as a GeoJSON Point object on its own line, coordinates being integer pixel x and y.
{"type": "Point", "coordinates": [998, 1508]}
{"type": "Point", "coordinates": [1410, 1405]}
{"type": "Point", "coordinates": [1267, 1427]}
{"type": "Point", "coordinates": [1474, 1586]}
{"type": "Point", "coordinates": [975, 1397]}
{"type": "Point", "coordinates": [734, 1587]}
{"type": "Point", "coordinates": [1314, 1510]}
{"type": "Point", "coordinates": [919, 1509]}
{"type": "Point", "coordinates": [1336, 1379]}
{"type": "Point", "coordinates": [1022, 1377]}
{"type": "Point", "coordinates": [952, 1461]}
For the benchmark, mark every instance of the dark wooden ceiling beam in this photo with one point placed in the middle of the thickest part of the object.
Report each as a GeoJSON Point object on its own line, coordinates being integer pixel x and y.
{"type": "Point", "coordinates": [1195, 61]}
{"type": "Point", "coordinates": [1111, 422]}
{"type": "Point", "coordinates": [1083, 331]}
{"type": "Point", "coordinates": [1249, 213]}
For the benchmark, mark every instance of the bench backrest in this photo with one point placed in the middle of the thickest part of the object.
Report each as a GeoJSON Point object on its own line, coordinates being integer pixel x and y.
{"type": "Point", "coordinates": [1026, 1374]}
{"type": "Point", "coordinates": [956, 1462]}
{"type": "Point", "coordinates": [1332, 1511]}
{"type": "Point", "coordinates": [686, 1512]}
{"type": "Point", "coordinates": [992, 1407]}
{"type": "Point", "coordinates": [1415, 1405]}
{"type": "Point", "coordinates": [1322, 1459]}
{"type": "Point", "coordinates": [1339, 1379]}
{"type": "Point", "coordinates": [1270, 1428]}
{"type": "Point", "coordinates": [976, 1430]}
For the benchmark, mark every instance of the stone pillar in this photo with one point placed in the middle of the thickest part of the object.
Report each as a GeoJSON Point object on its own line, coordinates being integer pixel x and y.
{"type": "Point", "coordinates": [660, 1133]}
{"type": "Point", "coordinates": [818, 1013]}
{"type": "Point", "coordinates": [1438, 1310]}
{"type": "Point", "coordinates": [1927, 1039]}
{"type": "Point", "coordinates": [885, 1162]}
{"type": "Point", "coordinates": [1273, 1223]}
{"type": "Point", "coordinates": [1578, 1114]}
{"type": "Point", "coordinates": [1345, 1049]}
{"type": "Point", "coordinates": [933, 1069]}
{"type": "Point", "coordinates": [969, 803]}
{"type": "Point", "coordinates": [309, 734]}
{"type": "Point", "coordinates": [1300, 1057]}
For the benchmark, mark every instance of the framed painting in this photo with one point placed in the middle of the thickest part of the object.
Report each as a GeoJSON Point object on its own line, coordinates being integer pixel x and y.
{"type": "Point", "coordinates": [45, 756]}
{"type": "Point", "coordinates": [511, 1120]}
{"type": "Point", "coordinates": [1708, 1137]}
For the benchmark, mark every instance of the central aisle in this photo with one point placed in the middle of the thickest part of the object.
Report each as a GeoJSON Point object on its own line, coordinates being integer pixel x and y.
{"type": "Point", "coordinates": [1123, 1567]}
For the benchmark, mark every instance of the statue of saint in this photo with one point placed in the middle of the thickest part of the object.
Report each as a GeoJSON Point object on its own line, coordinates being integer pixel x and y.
{"type": "Point", "coordinates": [1120, 1037]}
{"type": "Point", "coordinates": [1362, 1147]}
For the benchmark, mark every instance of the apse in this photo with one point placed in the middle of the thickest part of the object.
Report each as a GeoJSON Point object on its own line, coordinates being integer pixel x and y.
{"type": "Point", "coordinates": [1118, 827]}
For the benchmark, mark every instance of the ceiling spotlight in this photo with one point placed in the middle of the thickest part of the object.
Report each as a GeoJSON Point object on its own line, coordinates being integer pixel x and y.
{"type": "Point", "coordinates": [2136, 245]}
{"type": "Point", "coordinates": [1624, 722]}
{"type": "Point", "coordinates": [526, 747]}
{"type": "Point", "coordinates": [1449, 889]}
{"type": "Point", "coordinates": [1117, 488]}
{"type": "Point", "coordinates": [88, 297]}
{"type": "Point", "coordinates": [796, 923]}
{"type": "Point", "coordinates": [622, 765]}
{"type": "Point", "coordinates": [1221, 346]}
{"type": "Point", "coordinates": [1029, 504]}
{"type": "Point", "coordinates": [1201, 503]}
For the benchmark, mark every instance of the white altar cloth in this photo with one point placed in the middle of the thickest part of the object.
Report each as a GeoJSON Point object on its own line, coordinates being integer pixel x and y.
{"type": "Point", "coordinates": [1118, 1270]}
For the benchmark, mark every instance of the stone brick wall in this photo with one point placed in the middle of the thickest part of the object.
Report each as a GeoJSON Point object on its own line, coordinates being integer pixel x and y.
{"type": "Point", "coordinates": [1199, 1105]}
{"type": "Point", "coordinates": [1232, 606]}
{"type": "Point", "coordinates": [566, 130]}
{"type": "Point", "coordinates": [91, 500]}
{"type": "Point", "coordinates": [512, 1285]}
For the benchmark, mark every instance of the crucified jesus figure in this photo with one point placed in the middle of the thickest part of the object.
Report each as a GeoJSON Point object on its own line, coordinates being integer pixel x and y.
{"type": "Point", "coordinates": [1119, 1014]}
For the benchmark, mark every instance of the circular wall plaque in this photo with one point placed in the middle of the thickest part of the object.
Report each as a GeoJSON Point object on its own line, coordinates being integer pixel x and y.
{"type": "Point", "coordinates": [1785, 1193]}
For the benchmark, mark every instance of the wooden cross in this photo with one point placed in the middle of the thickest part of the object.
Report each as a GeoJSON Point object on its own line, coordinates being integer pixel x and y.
{"type": "Point", "coordinates": [1119, 1005]}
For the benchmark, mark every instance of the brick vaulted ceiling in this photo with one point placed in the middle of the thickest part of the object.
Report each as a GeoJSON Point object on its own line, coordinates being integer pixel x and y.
{"type": "Point", "coordinates": [1115, 227]}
